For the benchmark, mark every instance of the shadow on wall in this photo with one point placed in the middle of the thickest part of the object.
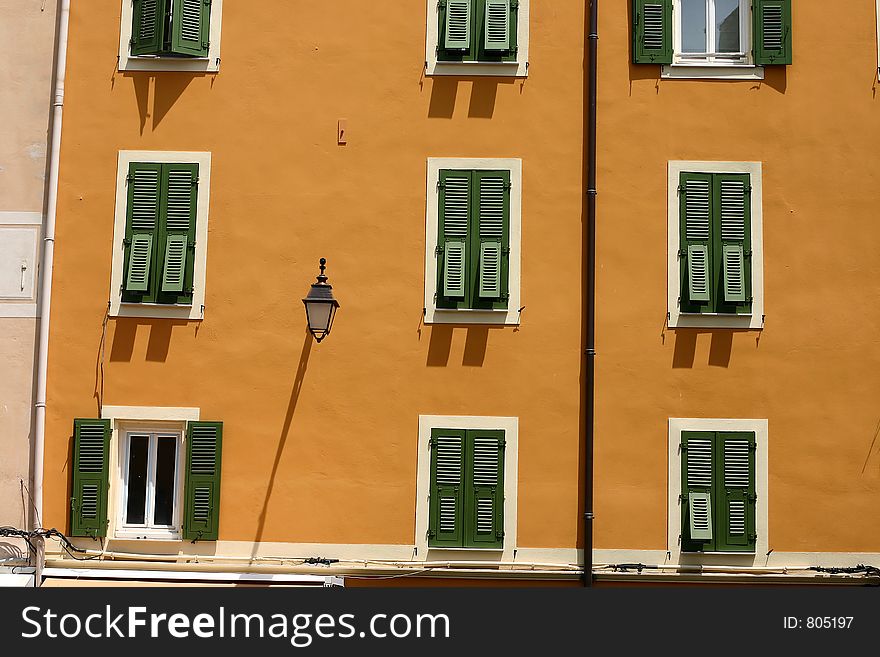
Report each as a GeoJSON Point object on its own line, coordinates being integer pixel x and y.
{"type": "Point", "coordinates": [167, 86]}
{"type": "Point", "coordinates": [285, 431]}
{"type": "Point", "coordinates": [125, 331]}
{"type": "Point", "coordinates": [476, 342]}
{"type": "Point", "coordinates": [484, 91]}
{"type": "Point", "coordinates": [720, 346]}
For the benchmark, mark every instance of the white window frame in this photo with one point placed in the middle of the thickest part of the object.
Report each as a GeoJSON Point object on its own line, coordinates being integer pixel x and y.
{"type": "Point", "coordinates": [509, 316]}
{"type": "Point", "coordinates": [678, 319]}
{"type": "Point", "coordinates": [510, 426]}
{"type": "Point", "coordinates": [148, 530]}
{"type": "Point", "coordinates": [196, 309]}
{"type": "Point", "coordinates": [760, 427]}
{"type": "Point", "coordinates": [518, 69]}
{"type": "Point", "coordinates": [209, 64]}
{"type": "Point", "coordinates": [167, 419]}
{"type": "Point", "coordinates": [690, 66]}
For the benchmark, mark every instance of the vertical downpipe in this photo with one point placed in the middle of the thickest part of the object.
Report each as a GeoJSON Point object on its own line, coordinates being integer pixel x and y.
{"type": "Point", "coordinates": [590, 276]}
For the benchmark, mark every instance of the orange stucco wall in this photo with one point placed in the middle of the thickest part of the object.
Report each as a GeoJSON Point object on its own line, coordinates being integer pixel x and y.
{"type": "Point", "coordinates": [320, 440]}
{"type": "Point", "coordinates": [814, 371]}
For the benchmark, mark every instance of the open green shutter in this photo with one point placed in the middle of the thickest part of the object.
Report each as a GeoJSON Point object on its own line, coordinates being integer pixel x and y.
{"type": "Point", "coordinates": [142, 221]}
{"type": "Point", "coordinates": [485, 491]}
{"type": "Point", "coordinates": [445, 527]}
{"type": "Point", "coordinates": [455, 204]}
{"type": "Point", "coordinates": [772, 31]}
{"type": "Point", "coordinates": [201, 513]}
{"type": "Point", "coordinates": [652, 31]}
{"type": "Point", "coordinates": [697, 498]}
{"type": "Point", "coordinates": [736, 492]}
{"type": "Point", "coordinates": [494, 221]}
{"type": "Point", "coordinates": [734, 194]}
{"type": "Point", "coordinates": [457, 26]}
{"type": "Point", "coordinates": [179, 215]}
{"type": "Point", "coordinates": [190, 27]}
{"type": "Point", "coordinates": [148, 23]}
{"type": "Point", "coordinates": [496, 36]}
{"type": "Point", "coordinates": [695, 198]}
{"type": "Point", "coordinates": [90, 482]}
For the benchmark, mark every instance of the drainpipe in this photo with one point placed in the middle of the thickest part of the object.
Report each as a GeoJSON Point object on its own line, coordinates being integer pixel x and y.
{"type": "Point", "coordinates": [590, 285]}
{"type": "Point", "coordinates": [47, 263]}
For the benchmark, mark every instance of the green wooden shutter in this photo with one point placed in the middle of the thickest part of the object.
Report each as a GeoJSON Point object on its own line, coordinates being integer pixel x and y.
{"type": "Point", "coordinates": [147, 27]}
{"type": "Point", "coordinates": [493, 193]}
{"type": "Point", "coordinates": [496, 36]}
{"type": "Point", "coordinates": [697, 498]}
{"type": "Point", "coordinates": [179, 219]}
{"type": "Point", "coordinates": [652, 31]}
{"type": "Point", "coordinates": [735, 486]}
{"type": "Point", "coordinates": [90, 477]}
{"type": "Point", "coordinates": [695, 200]}
{"type": "Point", "coordinates": [455, 209]}
{"type": "Point", "coordinates": [142, 221]}
{"type": "Point", "coordinates": [457, 25]}
{"type": "Point", "coordinates": [445, 527]}
{"type": "Point", "coordinates": [190, 27]}
{"type": "Point", "coordinates": [772, 31]}
{"type": "Point", "coordinates": [201, 513]}
{"type": "Point", "coordinates": [484, 502]}
{"type": "Point", "coordinates": [732, 247]}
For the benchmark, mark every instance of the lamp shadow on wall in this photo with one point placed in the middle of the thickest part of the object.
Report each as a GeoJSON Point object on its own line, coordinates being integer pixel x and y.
{"type": "Point", "coordinates": [285, 431]}
{"type": "Point", "coordinates": [720, 346]}
{"type": "Point", "coordinates": [475, 345]}
{"type": "Point", "coordinates": [484, 92]}
{"type": "Point", "coordinates": [167, 88]}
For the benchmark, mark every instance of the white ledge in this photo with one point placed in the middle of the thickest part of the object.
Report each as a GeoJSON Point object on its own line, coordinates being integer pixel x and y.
{"type": "Point", "coordinates": [711, 72]}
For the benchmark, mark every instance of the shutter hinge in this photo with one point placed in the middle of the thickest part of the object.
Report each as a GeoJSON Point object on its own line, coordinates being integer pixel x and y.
{"type": "Point", "coordinates": [750, 299]}
{"type": "Point", "coordinates": [682, 253]}
{"type": "Point", "coordinates": [440, 184]}
{"type": "Point", "coordinates": [431, 533]}
{"type": "Point", "coordinates": [752, 497]}
{"type": "Point", "coordinates": [499, 534]}
{"type": "Point", "coordinates": [508, 185]}
{"type": "Point", "coordinates": [505, 297]}
{"type": "Point", "coordinates": [73, 504]}
{"type": "Point", "coordinates": [747, 254]}
{"type": "Point", "coordinates": [682, 498]}
{"type": "Point", "coordinates": [190, 245]}
{"type": "Point", "coordinates": [502, 444]}
{"type": "Point", "coordinates": [432, 442]}
{"type": "Point", "coordinates": [514, 5]}
{"type": "Point", "coordinates": [441, 4]}
{"type": "Point", "coordinates": [129, 177]}
{"type": "Point", "coordinates": [438, 250]}
{"type": "Point", "coordinates": [126, 242]}
{"type": "Point", "coordinates": [195, 180]}
{"type": "Point", "coordinates": [747, 189]}
{"type": "Point", "coordinates": [505, 250]}
{"type": "Point", "coordinates": [681, 190]}
{"type": "Point", "coordinates": [206, 44]}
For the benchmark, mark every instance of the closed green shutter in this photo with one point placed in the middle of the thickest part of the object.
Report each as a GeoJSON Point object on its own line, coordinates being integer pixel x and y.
{"type": "Point", "coordinates": [90, 477]}
{"type": "Point", "coordinates": [454, 236]}
{"type": "Point", "coordinates": [201, 512]}
{"type": "Point", "coordinates": [147, 27]}
{"type": "Point", "coordinates": [735, 485]}
{"type": "Point", "coordinates": [695, 254]}
{"type": "Point", "coordinates": [457, 25]}
{"type": "Point", "coordinates": [178, 206]}
{"type": "Point", "coordinates": [447, 494]}
{"type": "Point", "coordinates": [496, 36]}
{"type": "Point", "coordinates": [493, 193]}
{"type": "Point", "coordinates": [772, 31]}
{"type": "Point", "coordinates": [190, 27]}
{"type": "Point", "coordinates": [732, 243]}
{"type": "Point", "coordinates": [652, 31]}
{"type": "Point", "coordinates": [697, 486]}
{"type": "Point", "coordinates": [141, 228]}
{"type": "Point", "coordinates": [484, 503]}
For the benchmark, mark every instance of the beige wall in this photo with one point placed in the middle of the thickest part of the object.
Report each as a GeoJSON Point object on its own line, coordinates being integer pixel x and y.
{"type": "Point", "coordinates": [27, 31]}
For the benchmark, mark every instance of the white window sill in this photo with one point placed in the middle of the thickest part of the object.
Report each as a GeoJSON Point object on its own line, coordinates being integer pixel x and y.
{"type": "Point", "coordinates": [158, 63]}
{"type": "Point", "coordinates": [683, 71]}
{"type": "Point", "coordinates": [486, 69]}
{"type": "Point", "coordinates": [158, 311]}
{"type": "Point", "coordinates": [715, 320]}
{"type": "Point", "coordinates": [501, 317]}
{"type": "Point", "coordinates": [146, 535]}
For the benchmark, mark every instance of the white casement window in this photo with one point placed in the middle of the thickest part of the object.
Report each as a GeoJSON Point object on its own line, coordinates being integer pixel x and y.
{"type": "Point", "coordinates": [477, 37]}
{"type": "Point", "coordinates": [160, 282]}
{"type": "Point", "coordinates": [184, 35]}
{"type": "Point", "coordinates": [713, 38]}
{"type": "Point", "coordinates": [151, 484]}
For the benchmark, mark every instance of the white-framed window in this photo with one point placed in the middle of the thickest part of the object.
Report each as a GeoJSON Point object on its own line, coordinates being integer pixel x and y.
{"type": "Point", "coordinates": [728, 450]}
{"type": "Point", "coordinates": [473, 241]}
{"type": "Point", "coordinates": [712, 38]}
{"type": "Point", "coordinates": [477, 37]}
{"type": "Point", "coordinates": [159, 248]}
{"type": "Point", "coordinates": [715, 245]}
{"type": "Point", "coordinates": [497, 439]}
{"type": "Point", "coordinates": [178, 35]}
{"type": "Point", "coordinates": [151, 464]}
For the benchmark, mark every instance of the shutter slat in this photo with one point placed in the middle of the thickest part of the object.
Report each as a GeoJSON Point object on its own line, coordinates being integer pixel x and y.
{"type": "Point", "coordinates": [180, 200]}
{"type": "Point", "coordinates": [144, 198]}
{"type": "Point", "coordinates": [734, 273]}
{"type": "Point", "coordinates": [497, 35]}
{"type": "Point", "coordinates": [490, 270]}
{"type": "Point", "coordinates": [697, 209]}
{"type": "Point", "coordinates": [700, 516]}
{"type": "Point", "coordinates": [699, 463]}
{"type": "Point", "coordinates": [696, 200]}
{"type": "Point", "coordinates": [458, 25]}
{"type": "Point", "coordinates": [454, 269]}
{"type": "Point", "coordinates": [175, 263]}
{"type": "Point", "coordinates": [653, 36]}
{"type": "Point", "coordinates": [140, 257]}
{"type": "Point", "coordinates": [772, 23]}
{"type": "Point", "coordinates": [698, 272]}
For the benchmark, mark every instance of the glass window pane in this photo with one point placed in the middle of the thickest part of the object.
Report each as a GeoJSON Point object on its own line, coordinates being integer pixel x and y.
{"type": "Point", "coordinates": [693, 25]}
{"type": "Point", "coordinates": [135, 512]}
{"type": "Point", "coordinates": [727, 25]}
{"type": "Point", "coordinates": [166, 463]}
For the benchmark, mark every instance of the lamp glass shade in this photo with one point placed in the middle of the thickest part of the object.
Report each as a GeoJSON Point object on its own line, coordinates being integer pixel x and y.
{"type": "Point", "coordinates": [320, 315]}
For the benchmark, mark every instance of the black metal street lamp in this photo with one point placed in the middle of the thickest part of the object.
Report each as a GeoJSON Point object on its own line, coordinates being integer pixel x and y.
{"type": "Point", "coordinates": [320, 306]}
